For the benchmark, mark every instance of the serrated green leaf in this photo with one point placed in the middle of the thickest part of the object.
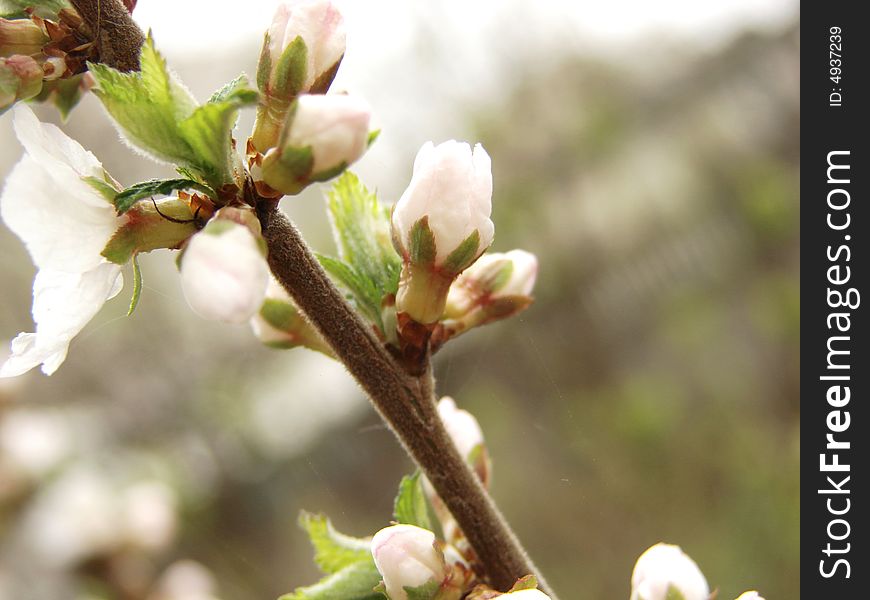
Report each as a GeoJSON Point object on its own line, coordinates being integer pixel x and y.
{"type": "Point", "coordinates": [464, 254]}
{"type": "Point", "coordinates": [137, 285]}
{"type": "Point", "coordinates": [157, 114]}
{"type": "Point", "coordinates": [355, 582]}
{"type": "Point", "coordinates": [364, 293]}
{"type": "Point", "coordinates": [333, 551]}
{"type": "Point", "coordinates": [237, 90]}
{"type": "Point", "coordinates": [410, 505]}
{"type": "Point", "coordinates": [155, 187]}
{"type": "Point", "coordinates": [361, 228]}
{"type": "Point", "coordinates": [421, 242]}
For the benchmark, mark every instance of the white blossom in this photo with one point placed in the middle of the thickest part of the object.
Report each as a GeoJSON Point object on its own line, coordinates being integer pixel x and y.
{"type": "Point", "coordinates": [664, 566]}
{"type": "Point", "coordinates": [65, 224]}
{"type": "Point", "coordinates": [224, 274]}
{"type": "Point", "coordinates": [752, 595]}
{"type": "Point", "coordinates": [406, 556]}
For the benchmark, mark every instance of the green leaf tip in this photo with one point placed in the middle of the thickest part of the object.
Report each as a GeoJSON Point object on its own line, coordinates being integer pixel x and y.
{"type": "Point", "coordinates": [125, 199]}
{"type": "Point", "coordinates": [333, 551]}
{"type": "Point", "coordinates": [137, 285]}
{"type": "Point", "coordinates": [410, 506]}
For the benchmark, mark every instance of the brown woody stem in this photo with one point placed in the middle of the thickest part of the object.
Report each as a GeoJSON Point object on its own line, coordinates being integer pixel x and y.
{"type": "Point", "coordinates": [406, 402]}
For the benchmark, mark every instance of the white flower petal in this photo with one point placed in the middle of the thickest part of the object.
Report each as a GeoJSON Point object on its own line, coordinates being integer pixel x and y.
{"type": "Point", "coordinates": [63, 303]}
{"type": "Point", "coordinates": [62, 227]}
{"type": "Point", "coordinates": [52, 148]}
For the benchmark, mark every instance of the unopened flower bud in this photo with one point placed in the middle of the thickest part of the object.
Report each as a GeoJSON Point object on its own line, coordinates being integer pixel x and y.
{"type": "Point", "coordinates": [21, 36]}
{"type": "Point", "coordinates": [223, 269]}
{"type": "Point", "coordinates": [301, 54]}
{"type": "Point", "coordinates": [665, 569]}
{"type": "Point", "coordinates": [464, 430]}
{"type": "Point", "coordinates": [753, 595]}
{"type": "Point", "coordinates": [407, 557]}
{"type": "Point", "coordinates": [323, 135]}
{"type": "Point", "coordinates": [279, 324]}
{"type": "Point", "coordinates": [496, 286]}
{"type": "Point", "coordinates": [20, 79]}
{"type": "Point", "coordinates": [441, 224]}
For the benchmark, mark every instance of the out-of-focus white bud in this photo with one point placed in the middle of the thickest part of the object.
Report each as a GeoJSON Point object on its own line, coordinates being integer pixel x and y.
{"type": "Point", "coordinates": [462, 427]}
{"type": "Point", "coordinates": [224, 274]}
{"type": "Point", "coordinates": [441, 224]}
{"type": "Point", "coordinates": [322, 136]}
{"type": "Point", "coordinates": [497, 286]}
{"type": "Point", "coordinates": [665, 567]}
{"type": "Point", "coordinates": [407, 557]}
{"type": "Point", "coordinates": [301, 54]}
{"type": "Point", "coordinates": [279, 324]}
{"type": "Point", "coordinates": [148, 515]}
{"type": "Point", "coordinates": [21, 36]}
{"type": "Point", "coordinates": [20, 79]}
{"type": "Point", "coordinates": [185, 580]}
{"type": "Point", "coordinates": [753, 595]}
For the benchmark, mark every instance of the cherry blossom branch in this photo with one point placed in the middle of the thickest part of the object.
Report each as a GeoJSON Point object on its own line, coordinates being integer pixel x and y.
{"type": "Point", "coordinates": [406, 402]}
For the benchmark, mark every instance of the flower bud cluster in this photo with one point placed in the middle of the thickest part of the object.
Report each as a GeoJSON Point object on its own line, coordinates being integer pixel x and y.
{"type": "Point", "coordinates": [302, 135]}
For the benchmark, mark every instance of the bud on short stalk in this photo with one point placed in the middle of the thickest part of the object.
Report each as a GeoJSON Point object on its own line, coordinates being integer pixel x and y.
{"type": "Point", "coordinates": [323, 135]}
{"type": "Point", "coordinates": [224, 274]}
{"type": "Point", "coordinates": [408, 558]}
{"type": "Point", "coordinates": [21, 36]}
{"type": "Point", "coordinates": [467, 436]}
{"type": "Point", "coordinates": [441, 224]}
{"type": "Point", "coordinates": [301, 53]}
{"type": "Point", "coordinates": [665, 572]}
{"type": "Point", "coordinates": [20, 79]}
{"type": "Point", "coordinates": [279, 324]}
{"type": "Point", "coordinates": [497, 286]}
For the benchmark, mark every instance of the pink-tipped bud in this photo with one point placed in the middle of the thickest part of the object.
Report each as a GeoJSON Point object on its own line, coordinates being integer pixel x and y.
{"type": "Point", "coordinates": [20, 79]}
{"type": "Point", "coordinates": [21, 36]}
{"type": "Point", "coordinates": [407, 557]}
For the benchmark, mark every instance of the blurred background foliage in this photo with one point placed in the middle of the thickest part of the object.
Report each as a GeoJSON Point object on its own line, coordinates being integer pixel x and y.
{"type": "Point", "coordinates": [651, 392]}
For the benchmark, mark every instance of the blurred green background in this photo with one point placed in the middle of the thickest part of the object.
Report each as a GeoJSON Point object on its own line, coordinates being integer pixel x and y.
{"type": "Point", "coordinates": [650, 393]}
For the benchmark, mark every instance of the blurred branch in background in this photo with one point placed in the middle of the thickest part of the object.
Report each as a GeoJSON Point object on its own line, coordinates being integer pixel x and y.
{"type": "Point", "coordinates": [653, 384]}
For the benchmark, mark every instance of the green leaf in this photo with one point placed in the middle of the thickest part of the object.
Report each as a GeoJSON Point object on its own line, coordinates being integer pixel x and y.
{"type": "Point", "coordinates": [43, 8]}
{"type": "Point", "coordinates": [354, 582]}
{"type": "Point", "coordinates": [410, 506]}
{"type": "Point", "coordinates": [369, 266]}
{"type": "Point", "coordinates": [155, 187]}
{"type": "Point", "coordinates": [427, 591]}
{"type": "Point", "coordinates": [137, 285]}
{"type": "Point", "coordinates": [364, 293]}
{"type": "Point", "coordinates": [421, 240]}
{"type": "Point", "coordinates": [64, 94]}
{"type": "Point", "coordinates": [157, 114]}
{"type": "Point", "coordinates": [464, 254]}
{"type": "Point", "coordinates": [333, 551]}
